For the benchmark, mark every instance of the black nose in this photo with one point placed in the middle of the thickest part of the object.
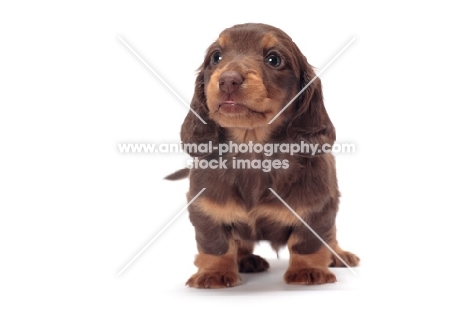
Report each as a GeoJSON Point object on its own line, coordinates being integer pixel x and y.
{"type": "Point", "coordinates": [229, 81]}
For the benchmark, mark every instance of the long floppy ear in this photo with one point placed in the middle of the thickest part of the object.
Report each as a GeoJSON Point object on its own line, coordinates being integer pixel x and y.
{"type": "Point", "coordinates": [194, 131]}
{"type": "Point", "coordinates": [310, 122]}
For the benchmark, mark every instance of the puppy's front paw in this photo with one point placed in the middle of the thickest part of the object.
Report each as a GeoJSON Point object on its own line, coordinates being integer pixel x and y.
{"type": "Point", "coordinates": [351, 259]}
{"type": "Point", "coordinates": [214, 279]}
{"type": "Point", "coordinates": [252, 263]}
{"type": "Point", "coordinates": [309, 276]}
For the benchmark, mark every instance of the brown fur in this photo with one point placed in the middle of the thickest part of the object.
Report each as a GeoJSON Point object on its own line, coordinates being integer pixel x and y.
{"type": "Point", "coordinates": [310, 268]}
{"type": "Point", "coordinates": [237, 208]}
{"type": "Point", "coordinates": [216, 271]}
{"type": "Point", "coordinates": [248, 262]}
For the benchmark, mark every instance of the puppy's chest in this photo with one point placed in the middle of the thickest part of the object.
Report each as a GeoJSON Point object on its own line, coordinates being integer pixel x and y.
{"type": "Point", "coordinates": [249, 177]}
{"type": "Point", "coordinates": [246, 178]}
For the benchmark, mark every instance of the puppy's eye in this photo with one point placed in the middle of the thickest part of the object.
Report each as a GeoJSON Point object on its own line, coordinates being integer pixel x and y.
{"type": "Point", "coordinates": [216, 57]}
{"type": "Point", "coordinates": [273, 60]}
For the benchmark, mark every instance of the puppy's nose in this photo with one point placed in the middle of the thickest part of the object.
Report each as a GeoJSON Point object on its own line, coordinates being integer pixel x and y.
{"type": "Point", "coordinates": [229, 81]}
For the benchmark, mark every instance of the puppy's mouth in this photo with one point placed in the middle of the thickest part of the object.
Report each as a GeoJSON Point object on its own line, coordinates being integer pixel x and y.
{"type": "Point", "coordinates": [231, 107]}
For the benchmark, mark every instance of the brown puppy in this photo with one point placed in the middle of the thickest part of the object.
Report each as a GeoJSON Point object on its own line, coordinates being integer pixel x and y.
{"type": "Point", "coordinates": [248, 76]}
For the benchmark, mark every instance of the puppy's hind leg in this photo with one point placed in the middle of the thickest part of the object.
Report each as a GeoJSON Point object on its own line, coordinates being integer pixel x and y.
{"type": "Point", "coordinates": [247, 261]}
{"type": "Point", "coordinates": [349, 258]}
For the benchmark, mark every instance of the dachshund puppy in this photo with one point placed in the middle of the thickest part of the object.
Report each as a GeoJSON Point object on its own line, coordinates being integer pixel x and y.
{"type": "Point", "coordinates": [248, 76]}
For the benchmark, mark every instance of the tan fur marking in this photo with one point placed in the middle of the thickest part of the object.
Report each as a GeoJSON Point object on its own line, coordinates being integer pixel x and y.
{"type": "Point", "coordinates": [212, 91]}
{"type": "Point", "coordinates": [319, 259]}
{"type": "Point", "coordinates": [216, 271]}
{"type": "Point", "coordinates": [280, 214]}
{"type": "Point", "coordinates": [309, 269]}
{"type": "Point", "coordinates": [269, 41]}
{"type": "Point", "coordinates": [233, 213]}
{"type": "Point", "coordinates": [227, 213]}
{"type": "Point", "coordinates": [253, 83]}
{"type": "Point", "coordinates": [256, 135]}
{"type": "Point", "coordinates": [253, 94]}
{"type": "Point", "coordinates": [223, 40]}
{"type": "Point", "coordinates": [207, 262]}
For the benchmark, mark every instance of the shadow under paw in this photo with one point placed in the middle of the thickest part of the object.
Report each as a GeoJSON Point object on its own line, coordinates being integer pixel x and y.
{"type": "Point", "coordinates": [252, 263]}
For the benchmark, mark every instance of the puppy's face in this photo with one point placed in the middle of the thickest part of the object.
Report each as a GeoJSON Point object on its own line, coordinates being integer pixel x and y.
{"type": "Point", "coordinates": [250, 73]}
{"type": "Point", "coordinates": [248, 76]}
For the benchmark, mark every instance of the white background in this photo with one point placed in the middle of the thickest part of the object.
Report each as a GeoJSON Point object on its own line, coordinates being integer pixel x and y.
{"type": "Point", "coordinates": [74, 211]}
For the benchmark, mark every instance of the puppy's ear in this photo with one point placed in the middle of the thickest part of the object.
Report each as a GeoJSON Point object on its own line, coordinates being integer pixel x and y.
{"type": "Point", "coordinates": [194, 131]}
{"type": "Point", "coordinates": [310, 122]}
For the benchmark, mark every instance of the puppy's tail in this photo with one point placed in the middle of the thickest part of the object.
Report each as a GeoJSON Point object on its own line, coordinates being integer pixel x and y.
{"type": "Point", "coordinates": [180, 174]}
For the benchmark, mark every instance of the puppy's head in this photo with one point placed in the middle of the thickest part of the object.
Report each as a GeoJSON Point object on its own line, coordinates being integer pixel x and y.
{"type": "Point", "coordinates": [248, 76]}
{"type": "Point", "coordinates": [250, 73]}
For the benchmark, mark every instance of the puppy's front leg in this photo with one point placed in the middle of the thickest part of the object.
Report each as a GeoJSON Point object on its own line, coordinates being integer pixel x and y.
{"type": "Point", "coordinates": [309, 258]}
{"type": "Point", "coordinates": [217, 258]}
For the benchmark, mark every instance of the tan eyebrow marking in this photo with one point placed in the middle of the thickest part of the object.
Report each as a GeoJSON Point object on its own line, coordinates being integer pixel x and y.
{"type": "Point", "coordinates": [269, 41]}
{"type": "Point", "coordinates": [223, 40]}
